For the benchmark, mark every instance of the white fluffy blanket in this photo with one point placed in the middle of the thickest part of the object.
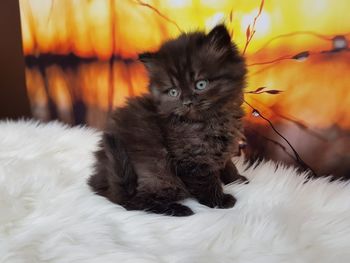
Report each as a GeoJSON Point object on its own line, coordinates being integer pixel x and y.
{"type": "Point", "coordinates": [48, 213]}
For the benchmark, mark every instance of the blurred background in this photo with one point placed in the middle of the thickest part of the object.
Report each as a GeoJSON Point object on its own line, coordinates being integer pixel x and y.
{"type": "Point", "coordinates": [80, 62]}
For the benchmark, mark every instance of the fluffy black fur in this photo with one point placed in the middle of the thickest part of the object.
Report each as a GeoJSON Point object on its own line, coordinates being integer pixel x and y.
{"type": "Point", "coordinates": [177, 141]}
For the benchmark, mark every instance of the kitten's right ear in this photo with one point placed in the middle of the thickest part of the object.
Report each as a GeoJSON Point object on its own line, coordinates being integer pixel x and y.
{"type": "Point", "coordinates": [219, 39]}
{"type": "Point", "coordinates": [220, 36]}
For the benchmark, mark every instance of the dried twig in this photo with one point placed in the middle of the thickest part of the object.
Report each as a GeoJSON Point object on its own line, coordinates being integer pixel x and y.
{"type": "Point", "coordinates": [301, 56]}
{"type": "Point", "coordinates": [256, 113]}
{"type": "Point", "coordinates": [285, 57]}
{"type": "Point", "coordinates": [231, 20]}
{"type": "Point", "coordinates": [263, 90]}
{"type": "Point", "coordinates": [251, 30]}
{"type": "Point", "coordinates": [159, 13]}
{"type": "Point", "coordinates": [293, 120]}
{"type": "Point", "coordinates": [275, 143]}
{"type": "Point", "coordinates": [296, 33]}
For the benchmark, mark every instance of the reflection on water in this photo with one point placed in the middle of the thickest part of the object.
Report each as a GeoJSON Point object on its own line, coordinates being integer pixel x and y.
{"type": "Point", "coordinates": [80, 93]}
{"type": "Point", "coordinates": [315, 91]}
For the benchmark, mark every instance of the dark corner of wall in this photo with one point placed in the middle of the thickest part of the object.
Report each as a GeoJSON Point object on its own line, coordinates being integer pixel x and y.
{"type": "Point", "coordinates": [14, 102]}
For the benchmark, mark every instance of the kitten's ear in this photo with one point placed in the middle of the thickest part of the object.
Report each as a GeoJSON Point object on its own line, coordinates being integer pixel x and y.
{"type": "Point", "coordinates": [219, 40]}
{"type": "Point", "coordinates": [146, 57]}
{"type": "Point", "coordinates": [219, 36]}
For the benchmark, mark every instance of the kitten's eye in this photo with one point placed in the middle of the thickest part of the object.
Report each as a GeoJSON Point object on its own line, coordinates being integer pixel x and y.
{"type": "Point", "coordinates": [202, 84]}
{"type": "Point", "coordinates": [173, 92]}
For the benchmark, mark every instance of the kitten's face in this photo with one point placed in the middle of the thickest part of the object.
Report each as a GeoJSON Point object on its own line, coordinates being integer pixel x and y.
{"type": "Point", "coordinates": [196, 74]}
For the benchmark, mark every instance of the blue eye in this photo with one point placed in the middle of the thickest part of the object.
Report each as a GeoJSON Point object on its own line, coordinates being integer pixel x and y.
{"type": "Point", "coordinates": [173, 92]}
{"type": "Point", "coordinates": [202, 84]}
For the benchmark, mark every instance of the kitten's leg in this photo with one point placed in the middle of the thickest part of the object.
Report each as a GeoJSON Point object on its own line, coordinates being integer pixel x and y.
{"type": "Point", "coordinates": [158, 189]}
{"type": "Point", "coordinates": [114, 176]}
{"type": "Point", "coordinates": [230, 174]}
{"type": "Point", "coordinates": [206, 187]}
{"type": "Point", "coordinates": [157, 203]}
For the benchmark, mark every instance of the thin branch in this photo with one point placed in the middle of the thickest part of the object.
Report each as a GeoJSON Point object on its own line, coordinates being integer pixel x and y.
{"type": "Point", "coordinates": [231, 20]}
{"type": "Point", "coordinates": [296, 33]}
{"type": "Point", "coordinates": [285, 57]}
{"type": "Point", "coordinates": [160, 14]}
{"type": "Point", "coordinates": [297, 156]}
{"type": "Point", "coordinates": [300, 56]}
{"type": "Point", "coordinates": [293, 120]}
{"type": "Point", "coordinates": [251, 31]}
{"type": "Point", "coordinates": [263, 90]}
{"type": "Point", "coordinates": [277, 144]}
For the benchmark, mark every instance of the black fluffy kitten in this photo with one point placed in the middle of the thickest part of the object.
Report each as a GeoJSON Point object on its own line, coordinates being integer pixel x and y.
{"type": "Point", "coordinates": [177, 141]}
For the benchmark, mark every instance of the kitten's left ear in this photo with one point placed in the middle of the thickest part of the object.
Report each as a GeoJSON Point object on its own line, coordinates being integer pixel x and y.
{"type": "Point", "coordinates": [146, 57]}
{"type": "Point", "coordinates": [219, 36]}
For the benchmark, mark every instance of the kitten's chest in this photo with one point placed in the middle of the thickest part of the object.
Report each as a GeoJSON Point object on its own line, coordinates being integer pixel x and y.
{"type": "Point", "coordinates": [209, 143]}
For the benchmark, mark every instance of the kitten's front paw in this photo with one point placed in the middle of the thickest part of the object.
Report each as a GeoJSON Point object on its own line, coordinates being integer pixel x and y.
{"type": "Point", "coordinates": [209, 202]}
{"type": "Point", "coordinates": [227, 201]}
{"type": "Point", "coordinates": [178, 210]}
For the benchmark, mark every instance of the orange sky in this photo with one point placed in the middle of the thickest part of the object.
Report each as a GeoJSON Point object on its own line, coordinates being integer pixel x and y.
{"type": "Point", "coordinates": [85, 28]}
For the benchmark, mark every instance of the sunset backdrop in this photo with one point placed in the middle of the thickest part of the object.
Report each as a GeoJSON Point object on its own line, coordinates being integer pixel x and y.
{"type": "Point", "coordinates": [81, 63]}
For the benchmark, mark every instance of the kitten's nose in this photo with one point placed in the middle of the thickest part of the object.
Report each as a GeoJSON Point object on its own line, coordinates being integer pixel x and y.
{"type": "Point", "coordinates": [187, 102]}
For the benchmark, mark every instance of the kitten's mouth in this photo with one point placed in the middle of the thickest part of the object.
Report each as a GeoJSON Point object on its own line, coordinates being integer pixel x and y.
{"type": "Point", "coordinates": [190, 113]}
{"type": "Point", "coordinates": [187, 109]}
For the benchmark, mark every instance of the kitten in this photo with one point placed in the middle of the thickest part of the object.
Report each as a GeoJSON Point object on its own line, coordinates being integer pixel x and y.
{"type": "Point", "coordinates": [177, 141]}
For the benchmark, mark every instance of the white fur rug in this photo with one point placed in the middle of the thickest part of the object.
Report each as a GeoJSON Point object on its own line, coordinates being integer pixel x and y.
{"type": "Point", "coordinates": [48, 213]}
